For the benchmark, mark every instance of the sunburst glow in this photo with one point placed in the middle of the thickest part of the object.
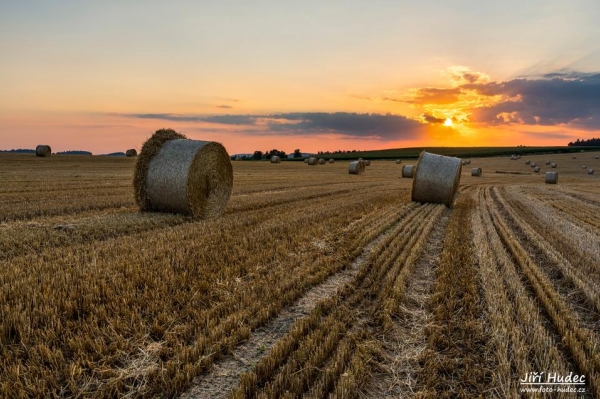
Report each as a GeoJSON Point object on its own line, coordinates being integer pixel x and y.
{"type": "Point", "coordinates": [448, 122]}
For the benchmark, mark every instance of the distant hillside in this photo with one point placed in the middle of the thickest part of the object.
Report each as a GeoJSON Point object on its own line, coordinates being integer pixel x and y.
{"type": "Point", "coordinates": [20, 151]}
{"type": "Point", "coordinates": [461, 152]}
{"type": "Point", "coordinates": [115, 154]}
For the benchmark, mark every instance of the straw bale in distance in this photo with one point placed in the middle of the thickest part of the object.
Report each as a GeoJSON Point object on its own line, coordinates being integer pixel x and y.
{"type": "Point", "coordinates": [527, 162]}
{"type": "Point", "coordinates": [436, 179]}
{"type": "Point", "coordinates": [468, 162]}
{"type": "Point", "coordinates": [312, 161]}
{"type": "Point", "coordinates": [547, 162]}
{"type": "Point", "coordinates": [306, 160]}
{"type": "Point", "coordinates": [476, 172]}
{"type": "Point", "coordinates": [356, 168]}
{"type": "Point", "coordinates": [590, 171]}
{"type": "Point", "coordinates": [533, 164]}
{"type": "Point", "coordinates": [131, 153]}
{"type": "Point", "coordinates": [408, 171]}
{"type": "Point", "coordinates": [238, 158]}
{"type": "Point", "coordinates": [536, 169]}
{"type": "Point", "coordinates": [367, 162]}
{"type": "Point", "coordinates": [574, 156]}
{"type": "Point", "coordinates": [43, 151]}
{"type": "Point", "coordinates": [332, 160]}
{"type": "Point", "coordinates": [399, 161]}
{"type": "Point", "coordinates": [596, 156]}
{"type": "Point", "coordinates": [275, 159]}
{"type": "Point", "coordinates": [551, 177]}
{"type": "Point", "coordinates": [321, 161]}
{"type": "Point", "coordinates": [584, 167]}
{"type": "Point", "coordinates": [553, 165]}
{"type": "Point", "coordinates": [174, 174]}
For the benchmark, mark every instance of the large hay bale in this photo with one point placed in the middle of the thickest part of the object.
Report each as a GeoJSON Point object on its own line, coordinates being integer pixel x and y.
{"type": "Point", "coordinates": [399, 161]}
{"type": "Point", "coordinates": [312, 161]}
{"type": "Point", "coordinates": [553, 165]}
{"type": "Point", "coordinates": [367, 162]}
{"type": "Point", "coordinates": [356, 168]}
{"type": "Point", "coordinates": [551, 177]}
{"type": "Point", "coordinates": [436, 179]}
{"type": "Point", "coordinates": [321, 161]}
{"type": "Point", "coordinates": [590, 171]}
{"type": "Point", "coordinates": [43, 151]}
{"type": "Point", "coordinates": [476, 172]}
{"type": "Point", "coordinates": [332, 160]}
{"type": "Point", "coordinates": [131, 153]}
{"type": "Point", "coordinates": [275, 159]}
{"type": "Point", "coordinates": [536, 169]}
{"type": "Point", "coordinates": [408, 171]}
{"type": "Point", "coordinates": [306, 160]}
{"type": "Point", "coordinates": [174, 174]}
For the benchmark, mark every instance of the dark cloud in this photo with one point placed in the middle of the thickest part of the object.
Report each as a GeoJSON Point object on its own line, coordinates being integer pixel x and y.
{"type": "Point", "coordinates": [546, 102]}
{"type": "Point", "coordinates": [432, 119]}
{"type": "Point", "coordinates": [224, 106]}
{"type": "Point", "coordinates": [383, 126]}
{"type": "Point", "coordinates": [550, 135]}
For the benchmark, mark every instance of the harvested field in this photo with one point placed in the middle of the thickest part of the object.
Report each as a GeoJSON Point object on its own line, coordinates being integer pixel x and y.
{"type": "Point", "coordinates": [314, 283]}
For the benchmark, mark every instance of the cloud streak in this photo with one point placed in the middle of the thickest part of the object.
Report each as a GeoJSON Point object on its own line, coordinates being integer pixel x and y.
{"type": "Point", "coordinates": [377, 126]}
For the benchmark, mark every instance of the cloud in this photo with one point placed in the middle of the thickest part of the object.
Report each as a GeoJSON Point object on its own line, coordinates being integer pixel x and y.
{"type": "Point", "coordinates": [432, 119]}
{"type": "Point", "coordinates": [224, 106]}
{"type": "Point", "coordinates": [554, 101]}
{"type": "Point", "coordinates": [432, 95]}
{"type": "Point", "coordinates": [377, 126]}
{"type": "Point", "coordinates": [550, 135]}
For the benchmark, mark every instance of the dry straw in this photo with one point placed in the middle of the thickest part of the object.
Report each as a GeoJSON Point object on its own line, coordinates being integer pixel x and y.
{"type": "Point", "coordinates": [436, 179]}
{"type": "Point", "coordinates": [332, 160]}
{"type": "Point", "coordinates": [476, 172]}
{"type": "Point", "coordinates": [590, 171]}
{"type": "Point", "coordinates": [551, 177]}
{"type": "Point", "coordinates": [399, 161]}
{"type": "Point", "coordinates": [43, 151]}
{"type": "Point", "coordinates": [321, 161]}
{"type": "Point", "coordinates": [174, 174]}
{"type": "Point", "coordinates": [356, 168]}
{"type": "Point", "coordinates": [131, 153]}
{"type": "Point", "coordinates": [536, 169]}
{"type": "Point", "coordinates": [312, 161]}
{"type": "Point", "coordinates": [553, 165]}
{"type": "Point", "coordinates": [275, 159]}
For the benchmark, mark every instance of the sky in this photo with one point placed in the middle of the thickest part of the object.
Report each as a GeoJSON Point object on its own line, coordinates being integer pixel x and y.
{"type": "Point", "coordinates": [309, 75]}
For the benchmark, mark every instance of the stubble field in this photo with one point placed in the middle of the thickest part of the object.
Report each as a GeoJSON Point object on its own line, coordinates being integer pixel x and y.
{"type": "Point", "coordinates": [314, 283]}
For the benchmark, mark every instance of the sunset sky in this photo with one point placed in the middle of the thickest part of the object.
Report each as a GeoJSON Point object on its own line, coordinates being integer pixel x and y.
{"type": "Point", "coordinates": [102, 76]}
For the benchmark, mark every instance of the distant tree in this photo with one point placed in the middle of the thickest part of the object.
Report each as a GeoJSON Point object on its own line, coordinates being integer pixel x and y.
{"type": "Point", "coordinates": [257, 155]}
{"type": "Point", "coordinates": [281, 154]}
{"type": "Point", "coordinates": [297, 153]}
{"type": "Point", "coordinates": [595, 142]}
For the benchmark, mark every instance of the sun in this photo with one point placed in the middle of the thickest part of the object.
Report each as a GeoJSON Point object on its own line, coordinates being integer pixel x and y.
{"type": "Point", "coordinates": [448, 122]}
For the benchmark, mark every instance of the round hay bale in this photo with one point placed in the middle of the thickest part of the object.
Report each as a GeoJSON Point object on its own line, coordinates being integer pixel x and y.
{"type": "Point", "coordinates": [43, 151]}
{"type": "Point", "coordinates": [536, 169]}
{"type": "Point", "coordinates": [574, 156]}
{"type": "Point", "coordinates": [533, 164]}
{"type": "Point", "coordinates": [239, 158]}
{"type": "Point", "coordinates": [275, 159]}
{"type": "Point", "coordinates": [547, 162]}
{"type": "Point", "coordinates": [321, 161]}
{"type": "Point", "coordinates": [312, 161]}
{"type": "Point", "coordinates": [356, 168]}
{"type": "Point", "coordinates": [367, 162]}
{"type": "Point", "coordinates": [463, 163]}
{"type": "Point", "coordinates": [476, 172]}
{"type": "Point", "coordinates": [513, 157]}
{"type": "Point", "coordinates": [306, 160]}
{"type": "Point", "coordinates": [398, 162]}
{"type": "Point", "coordinates": [553, 165]}
{"type": "Point", "coordinates": [518, 157]}
{"type": "Point", "coordinates": [436, 179]}
{"type": "Point", "coordinates": [584, 167]}
{"type": "Point", "coordinates": [332, 160]}
{"type": "Point", "coordinates": [596, 156]}
{"type": "Point", "coordinates": [468, 162]}
{"type": "Point", "coordinates": [174, 174]}
{"type": "Point", "coordinates": [131, 153]}
{"type": "Point", "coordinates": [551, 177]}
{"type": "Point", "coordinates": [590, 171]}
{"type": "Point", "coordinates": [408, 171]}
{"type": "Point", "coordinates": [527, 162]}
